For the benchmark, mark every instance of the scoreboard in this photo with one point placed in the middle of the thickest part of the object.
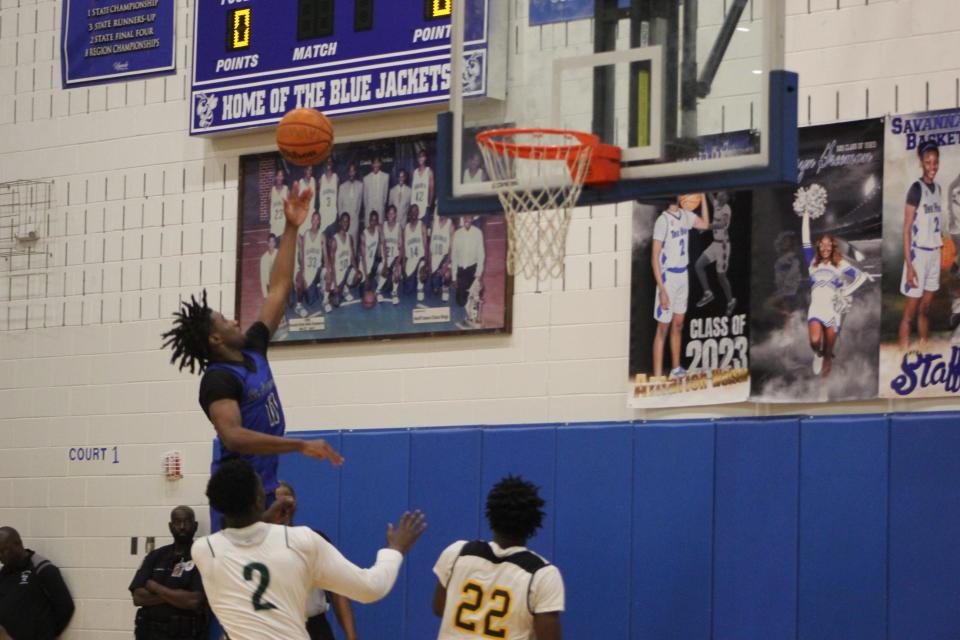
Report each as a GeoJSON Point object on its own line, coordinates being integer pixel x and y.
{"type": "Point", "coordinates": [256, 59]}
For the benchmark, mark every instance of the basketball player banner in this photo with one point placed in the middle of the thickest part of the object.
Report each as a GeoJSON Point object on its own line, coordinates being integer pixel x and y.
{"type": "Point", "coordinates": [374, 260]}
{"type": "Point", "coordinates": [920, 350]}
{"type": "Point", "coordinates": [815, 313]}
{"type": "Point", "coordinates": [111, 40]}
{"type": "Point", "coordinates": [689, 301]}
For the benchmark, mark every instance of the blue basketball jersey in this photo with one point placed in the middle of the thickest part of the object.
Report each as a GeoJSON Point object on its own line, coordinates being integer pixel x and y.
{"type": "Point", "coordinates": [260, 410]}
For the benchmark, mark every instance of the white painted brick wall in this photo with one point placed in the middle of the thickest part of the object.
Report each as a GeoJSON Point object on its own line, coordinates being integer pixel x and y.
{"type": "Point", "coordinates": [145, 214]}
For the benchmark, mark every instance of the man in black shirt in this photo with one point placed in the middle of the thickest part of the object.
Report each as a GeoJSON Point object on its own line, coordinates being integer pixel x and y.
{"type": "Point", "coordinates": [34, 601]}
{"type": "Point", "coordinates": [167, 587]}
{"type": "Point", "coordinates": [237, 391]}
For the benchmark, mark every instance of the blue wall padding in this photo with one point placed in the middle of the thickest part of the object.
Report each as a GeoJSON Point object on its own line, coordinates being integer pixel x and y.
{"type": "Point", "coordinates": [592, 463]}
{"type": "Point", "coordinates": [755, 529]}
{"type": "Point", "coordinates": [445, 484]}
{"type": "Point", "coordinates": [924, 526]}
{"type": "Point", "coordinates": [672, 531]}
{"type": "Point", "coordinates": [531, 452]}
{"type": "Point", "coordinates": [843, 524]}
{"type": "Point", "coordinates": [840, 527]}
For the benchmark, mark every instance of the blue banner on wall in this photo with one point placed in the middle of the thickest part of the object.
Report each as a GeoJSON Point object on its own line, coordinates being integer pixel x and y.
{"type": "Point", "coordinates": [548, 11]}
{"type": "Point", "coordinates": [111, 40]}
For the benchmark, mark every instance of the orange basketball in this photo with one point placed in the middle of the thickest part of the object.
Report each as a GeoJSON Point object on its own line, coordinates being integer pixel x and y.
{"type": "Point", "coordinates": [948, 254]}
{"type": "Point", "coordinates": [304, 136]}
{"type": "Point", "coordinates": [690, 201]}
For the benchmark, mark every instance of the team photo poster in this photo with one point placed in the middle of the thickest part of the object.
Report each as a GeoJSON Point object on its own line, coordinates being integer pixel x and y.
{"type": "Point", "coordinates": [374, 257]}
{"type": "Point", "coordinates": [689, 300]}
{"type": "Point", "coordinates": [815, 313]}
{"type": "Point", "coordinates": [920, 351]}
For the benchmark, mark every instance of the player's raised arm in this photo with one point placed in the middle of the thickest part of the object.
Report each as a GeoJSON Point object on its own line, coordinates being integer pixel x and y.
{"type": "Point", "coordinates": [295, 209]}
{"type": "Point", "coordinates": [702, 222]}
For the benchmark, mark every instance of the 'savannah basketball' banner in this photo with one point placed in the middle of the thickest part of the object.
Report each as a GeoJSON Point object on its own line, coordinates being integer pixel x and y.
{"type": "Point", "coordinates": [816, 271]}
{"type": "Point", "coordinates": [689, 298]}
{"type": "Point", "coordinates": [920, 352]}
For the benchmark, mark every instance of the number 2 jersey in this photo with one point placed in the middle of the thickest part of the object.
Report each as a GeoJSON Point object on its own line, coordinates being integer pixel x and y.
{"type": "Point", "coordinates": [494, 592]}
{"type": "Point", "coordinates": [257, 579]}
{"type": "Point", "coordinates": [251, 385]}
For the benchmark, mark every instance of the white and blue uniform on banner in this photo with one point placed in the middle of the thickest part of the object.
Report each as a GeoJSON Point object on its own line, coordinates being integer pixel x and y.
{"type": "Point", "coordinates": [926, 239]}
{"type": "Point", "coordinates": [830, 286]}
{"type": "Point", "coordinates": [672, 229]}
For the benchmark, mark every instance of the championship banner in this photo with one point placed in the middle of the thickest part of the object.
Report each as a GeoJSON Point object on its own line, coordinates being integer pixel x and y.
{"type": "Point", "coordinates": [920, 352]}
{"type": "Point", "coordinates": [110, 40]}
{"type": "Point", "coordinates": [689, 298]}
{"type": "Point", "coordinates": [815, 317]}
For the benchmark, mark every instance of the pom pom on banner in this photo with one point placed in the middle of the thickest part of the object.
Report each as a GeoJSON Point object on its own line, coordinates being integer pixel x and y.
{"type": "Point", "coordinates": [810, 201]}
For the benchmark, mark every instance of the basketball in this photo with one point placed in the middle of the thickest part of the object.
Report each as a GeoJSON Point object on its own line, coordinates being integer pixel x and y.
{"type": "Point", "coordinates": [304, 137]}
{"type": "Point", "coordinates": [369, 299]}
{"type": "Point", "coordinates": [948, 254]}
{"type": "Point", "coordinates": [690, 201]}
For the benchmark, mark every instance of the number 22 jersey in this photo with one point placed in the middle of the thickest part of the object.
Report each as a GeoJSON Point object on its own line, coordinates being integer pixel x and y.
{"type": "Point", "coordinates": [494, 592]}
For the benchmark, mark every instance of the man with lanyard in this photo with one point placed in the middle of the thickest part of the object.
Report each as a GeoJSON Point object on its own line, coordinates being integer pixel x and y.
{"type": "Point", "coordinates": [237, 391]}
{"type": "Point", "coordinates": [167, 587]}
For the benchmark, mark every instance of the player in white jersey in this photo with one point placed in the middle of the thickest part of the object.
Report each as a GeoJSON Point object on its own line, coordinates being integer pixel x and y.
{"type": "Point", "coordinates": [278, 193]}
{"type": "Point", "coordinates": [312, 275]}
{"type": "Point", "coordinates": [717, 253]}
{"type": "Point", "coordinates": [266, 264]}
{"type": "Point", "coordinates": [422, 186]}
{"type": "Point", "coordinates": [441, 242]}
{"type": "Point", "coordinates": [327, 195]}
{"type": "Point", "coordinates": [344, 259]}
{"type": "Point", "coordinates": [308, 181]}
{"type": "Point", "coordinates": [475, 172]}
{"type": "Point", "coordinates": [414, 253]}
{"type": "Point", "coordinates": [376, 186]}
{"type": "Point", "coordinates": [257, 576]}
{"type": "Point", "coordinates": [500, 589]}
{"type": "Point", "coordinates": [350, 198]}
{"type": "Point", "coordinates": [371, 243]}
{"type": "Point", "coordinates": [392, 233]}
{"type": "Point", "coordinates": [671, 257]}
{"type": "Point", "coordinates": [953, 210]}
{"type": "Point", "coordinates": [400, 197]}
{"type": "Point", "coordinates": [922, 230]}
{"type": "Point", "coordinates": [467, 260]}
{"type": "Point", "coordinates": [832, 281]}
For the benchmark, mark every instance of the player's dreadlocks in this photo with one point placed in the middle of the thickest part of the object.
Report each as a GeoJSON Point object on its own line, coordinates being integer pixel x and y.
{"type": "Point", "coordinates": [190, 336]}
{"type": "Point", "coordinates": [232, 490]}
{"type": "Point", "coordinates": [514, 508]}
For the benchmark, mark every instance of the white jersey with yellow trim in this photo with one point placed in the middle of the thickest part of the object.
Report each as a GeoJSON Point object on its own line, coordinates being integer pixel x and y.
{"type": "Point", "coordinates": [278, 220]}
{"type": "Point", "coordinates": [391, 242]}
{"type": "Point", "coordinates": [440, 237]}
{"type": "Point", "coordinates": [342, 256]}
{"type": "Point", "coordinates": [413, 249]}
{"type": "Point", "coordinates": [494, 592]}
{"type": "Point", "coordinates": [314, 251]}
{"type": "Point", "coordinates": [420, 188]}
{"type": "Point", "coordinates": [371, 244]}
{"type": "Point", "coordinates": [328, 199]}
{"type": "Point", "coordinates": [257, 578]}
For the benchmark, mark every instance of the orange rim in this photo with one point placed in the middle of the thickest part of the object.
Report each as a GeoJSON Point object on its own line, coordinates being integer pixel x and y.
{"type": "Point", "coordinates": [535, 151]}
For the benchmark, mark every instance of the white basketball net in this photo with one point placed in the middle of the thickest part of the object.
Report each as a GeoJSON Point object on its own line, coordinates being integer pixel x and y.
{"type": "Point", "coordinates": [537, 194]}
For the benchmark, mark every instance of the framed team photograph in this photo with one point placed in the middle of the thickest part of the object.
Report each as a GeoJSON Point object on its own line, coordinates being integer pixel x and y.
{"type": "Point", "coordinates": [375, 259]}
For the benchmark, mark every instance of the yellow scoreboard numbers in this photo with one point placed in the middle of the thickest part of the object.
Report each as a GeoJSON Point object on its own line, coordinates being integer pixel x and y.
{"type": "Point", "coordinates": [238, 29]}
{"type": "Point", "coordinates": [436, 9]}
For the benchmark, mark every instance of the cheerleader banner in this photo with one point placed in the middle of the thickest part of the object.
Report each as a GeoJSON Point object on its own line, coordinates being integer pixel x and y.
{"type": "Point", "coordinates": [815, 314]}
{"type": "Point", "coordinates": [920, 352]}
{"type": "Point", "coordinates": [689, 298]}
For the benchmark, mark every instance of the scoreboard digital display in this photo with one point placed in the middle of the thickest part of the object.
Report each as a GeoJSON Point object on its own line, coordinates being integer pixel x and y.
{"type": "Point", "coordinates": [339, 56]}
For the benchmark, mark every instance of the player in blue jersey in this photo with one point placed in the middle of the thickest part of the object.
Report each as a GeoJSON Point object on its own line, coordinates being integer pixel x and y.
{"type": "Point", "coordinates": [237, 391]}
{"type": "Point", "coordinates": [922, 231]}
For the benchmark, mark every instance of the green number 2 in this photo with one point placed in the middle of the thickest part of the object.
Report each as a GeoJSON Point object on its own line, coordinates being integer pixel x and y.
{"type": "Point", "coordinates": [248, 570]}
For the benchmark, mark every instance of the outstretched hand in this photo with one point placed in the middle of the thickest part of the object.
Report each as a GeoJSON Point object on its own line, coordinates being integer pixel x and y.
{"type": "Point", "coordinates": [321, 450]}
{"type": "Point", "coordinates": [407, 532]}
{"type": "Point", "coordinates": [296, 207]}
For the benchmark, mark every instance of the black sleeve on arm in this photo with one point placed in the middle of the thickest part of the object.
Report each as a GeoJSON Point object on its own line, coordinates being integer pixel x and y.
{"type": "Point", "coordinates": [913, 196]}
{"type": "Point", "coordinates": [219, 385]}
{"type": "Point", "coordinates": [144, 572]}
{"type": "Point", "coordinates": [258, 338]}
{"type": "Point", "coordinates": [60, 599]}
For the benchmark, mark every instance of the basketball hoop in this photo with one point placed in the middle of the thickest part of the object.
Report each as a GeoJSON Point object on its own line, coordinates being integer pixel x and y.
{"type": "Point", "coordinates": [538, 175]}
